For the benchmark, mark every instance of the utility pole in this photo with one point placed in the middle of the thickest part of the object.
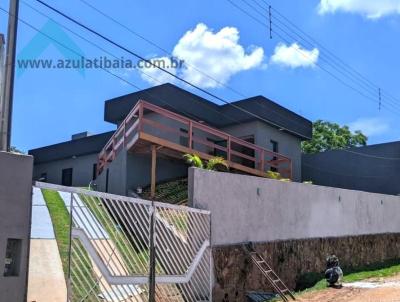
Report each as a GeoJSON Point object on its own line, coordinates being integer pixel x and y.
{"type": "Point", "coordinates": [2, 66]}
{"type": "Point", "coordinates": [8, 88]}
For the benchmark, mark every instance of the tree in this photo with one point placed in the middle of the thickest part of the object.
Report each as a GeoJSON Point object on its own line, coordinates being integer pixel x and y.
{"type": "Point", "coordinates": [330, 136]}
{"type": "Point", "coordinates": [16, 150]}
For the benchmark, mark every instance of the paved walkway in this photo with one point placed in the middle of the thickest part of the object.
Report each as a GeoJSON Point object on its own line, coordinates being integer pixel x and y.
{"type": "Point", "coordinates": [42, 227]}
{"type": "Point", "coordinates": [46, 277]}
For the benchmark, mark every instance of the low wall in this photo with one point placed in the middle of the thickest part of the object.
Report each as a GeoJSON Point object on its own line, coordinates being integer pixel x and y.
{"type": "Point", "coordinates": [370, 168]}
{"type": "Point", "coordinates": [294, 226]}
{"type": "Point", "coordinates": [247, 208]}
{"type": "Point", "coordinates": [297, 262]}
{"type": "Point", "coordinates": [15, 222]}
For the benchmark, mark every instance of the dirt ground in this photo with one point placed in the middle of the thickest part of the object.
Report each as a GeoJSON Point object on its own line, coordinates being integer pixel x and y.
{"type": "Point", "coordinates": [372, 290]}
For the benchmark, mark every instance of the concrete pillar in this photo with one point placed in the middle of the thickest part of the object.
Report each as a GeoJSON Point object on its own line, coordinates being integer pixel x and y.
{"type": "Point", "coordinates": [15, 222]}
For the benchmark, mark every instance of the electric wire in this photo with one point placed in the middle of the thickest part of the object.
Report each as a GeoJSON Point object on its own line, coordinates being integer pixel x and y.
{"type": "Point", "coordinates": [96, 33]}
{"type": "Point", "coordinates": [264, 24]}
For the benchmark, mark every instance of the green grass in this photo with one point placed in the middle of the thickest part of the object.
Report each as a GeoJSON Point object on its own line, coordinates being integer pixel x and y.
{"type": "Point", "coordinates": [132, 259]}
{"type": "Point", "coordinates": [61, 224]}
{"type": "Point", "coordinates": [377, 270]}
{"type": "Point", "coordinates": [61, 221]}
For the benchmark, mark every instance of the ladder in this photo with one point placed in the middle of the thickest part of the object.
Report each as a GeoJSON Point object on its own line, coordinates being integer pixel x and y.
{"type": "Point", "coordinates": [278, 285]}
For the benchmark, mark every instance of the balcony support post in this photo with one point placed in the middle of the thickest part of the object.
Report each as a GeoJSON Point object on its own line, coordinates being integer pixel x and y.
{"type": "Point", "coordinates": [153, 170]}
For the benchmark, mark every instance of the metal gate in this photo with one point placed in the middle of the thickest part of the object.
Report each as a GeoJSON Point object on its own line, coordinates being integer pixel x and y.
{"type": "Point", "coordinates": [130, 249]}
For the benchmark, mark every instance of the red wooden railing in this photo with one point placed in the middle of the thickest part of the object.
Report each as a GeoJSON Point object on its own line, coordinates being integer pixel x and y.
{"type": "Point", "coordinates": [148, 122]}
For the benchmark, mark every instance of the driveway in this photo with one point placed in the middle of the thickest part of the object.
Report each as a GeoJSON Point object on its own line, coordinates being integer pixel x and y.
{"type": "Point", "coordinates": [46, 277]}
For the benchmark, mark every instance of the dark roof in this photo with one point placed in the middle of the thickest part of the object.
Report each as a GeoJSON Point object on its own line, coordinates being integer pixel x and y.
{"type": "Point", "coordinates": [178, 100]}
{"type": "Point", "coordinates": [77, 147]}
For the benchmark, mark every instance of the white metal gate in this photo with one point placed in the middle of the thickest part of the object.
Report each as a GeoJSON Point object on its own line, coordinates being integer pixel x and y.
{"type": "Point", "coordinates": [129, 249]}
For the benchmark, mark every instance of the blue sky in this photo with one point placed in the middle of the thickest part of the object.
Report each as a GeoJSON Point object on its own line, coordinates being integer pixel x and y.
{"type": "Point", "coordinates": [52, 104]}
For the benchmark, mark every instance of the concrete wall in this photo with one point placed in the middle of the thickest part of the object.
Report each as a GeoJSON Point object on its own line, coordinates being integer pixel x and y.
{"type": "Point", "coordinates": [139, 170]}
{"type": "Point", "coordinates": [130, 170]}
{"type": "Point", "coordinates": [374, 168]}
{"type": "Point", "coordinates": [247, 208]}
{"type": "Point", "coordinates": [15, 220]}
{"type": "Point", "coordinates": [82, 170]}
{"type": "Point", "coordinates": [117, 171]}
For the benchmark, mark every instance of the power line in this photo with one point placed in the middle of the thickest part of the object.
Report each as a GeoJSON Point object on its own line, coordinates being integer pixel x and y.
{"type": "Point", "coordinates": [346, 65]}
{"type": "Point", "coordinates": [151, 42]}
{"type": "Point", "coordinates": [114, 56]}
{"type": "Point", "coordinates": [370, 155]}
{"type": "Point", "coordinates": [160, 68]}
{"type": "Point", "coordinates": [357, 80]}
{"type": "Point", "coordinates": [121, 78]}
{"type": "Point", "coordinates": [83, 57]}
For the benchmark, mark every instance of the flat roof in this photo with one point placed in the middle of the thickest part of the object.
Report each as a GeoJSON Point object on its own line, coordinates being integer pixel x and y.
{"type": "Point", "coordinates": [183, 102]}
{"type": "Point", "coordinates": [78, 147]}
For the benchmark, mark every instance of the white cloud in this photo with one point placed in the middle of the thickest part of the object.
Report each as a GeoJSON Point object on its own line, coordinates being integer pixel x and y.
{"type": "Point", "coordinates": [217, 54]}
{"type": "Point", "coordinates": [370, 126]}
{"type": "Point", "coordinates": [294, 56]}
{"type": "Point", "coordinates": [372, 9]}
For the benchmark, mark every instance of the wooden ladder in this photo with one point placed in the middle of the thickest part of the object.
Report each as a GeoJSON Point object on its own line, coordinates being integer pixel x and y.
{"type": "Point", "coordinates": [280, 287]}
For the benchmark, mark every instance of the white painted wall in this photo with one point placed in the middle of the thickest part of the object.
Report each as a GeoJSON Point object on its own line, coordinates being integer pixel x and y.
{"type": "Point", "coordinates": [247, 208]}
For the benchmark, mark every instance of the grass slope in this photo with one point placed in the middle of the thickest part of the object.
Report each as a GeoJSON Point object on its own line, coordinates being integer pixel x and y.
{"type": "Point", "coordinates": [60, 219]}
{"type": "Point", "coordinates": [378, 270]}
{"type": "Point", "coordinates": [81, 269]}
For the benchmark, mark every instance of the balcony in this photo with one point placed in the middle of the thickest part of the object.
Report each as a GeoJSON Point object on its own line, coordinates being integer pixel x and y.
{"type": "Point", "coordinates": [174, 135]}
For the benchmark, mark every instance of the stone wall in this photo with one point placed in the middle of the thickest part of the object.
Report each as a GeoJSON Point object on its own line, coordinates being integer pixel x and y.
{"type": "Point", "coordinates": [295, 261]}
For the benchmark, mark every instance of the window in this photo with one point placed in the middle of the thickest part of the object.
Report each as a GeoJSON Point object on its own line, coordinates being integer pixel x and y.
{"type": "Point", "coordinates": [66, 177]}
{"type": "Point", "coordinates": [184, 138]}
{"type": "Point", "coordinates": [13, 258]}
{"type": "Point", "coordinates": [94, 173]}
{"type": "Point", "coordinates": [275, 148]}
{"type": "Point", "coordinates": [274, 145]}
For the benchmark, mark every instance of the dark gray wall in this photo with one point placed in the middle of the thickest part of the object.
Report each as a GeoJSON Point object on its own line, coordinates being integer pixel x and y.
{"type": "Point", "coordinates": [374, 168]}
{"type": "Point", "coordinates": [117, 170]}
{"type": "Point", "coordinates": [139, 170]}
{"type": "Point", "coordinates": [130, 170]}
{"type": "Point", "coordinates": [263, 133]}
{"type": "Point", "coordinates": [15, 220]}
{"type": "Point", "coordinates": [82, 172]}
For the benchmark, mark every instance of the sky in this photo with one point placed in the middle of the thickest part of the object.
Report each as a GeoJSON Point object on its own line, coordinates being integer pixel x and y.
{"type": "Point", "coordinates": [233, 52]}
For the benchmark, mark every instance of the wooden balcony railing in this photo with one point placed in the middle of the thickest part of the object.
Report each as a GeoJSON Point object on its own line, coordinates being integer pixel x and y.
{"type": "Point", "coordinates": [148, 123]}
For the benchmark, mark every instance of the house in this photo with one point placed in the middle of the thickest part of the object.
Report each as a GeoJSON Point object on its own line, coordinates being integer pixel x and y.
{"type": "Point", "coordinates": [254, 134]}
{"type": "Point", "coordinates": [373, 168]}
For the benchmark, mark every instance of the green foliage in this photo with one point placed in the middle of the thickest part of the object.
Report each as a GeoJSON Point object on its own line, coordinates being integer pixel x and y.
{"type": "Point", "coordinates": [16, 150]}
{"type": "Point", "coordinates": [194, 160]}
{"type": "Point", "coordinates": [276, 175]}
{"type": "Point", "coordinates": [217, 164]}
{"type": "Point", "coordinates": [273, 175]}
{"type": "Point", "coordinates": [61, 224]}
{"type": "Point", "coordinates": [384, 269]}
{"type": "Point", "coordinates": [330, 136]}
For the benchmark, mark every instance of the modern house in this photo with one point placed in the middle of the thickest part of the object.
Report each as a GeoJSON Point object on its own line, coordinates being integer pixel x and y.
{"type": "Point", "coordinates": [156, 126]}
{"type": "Point", "coordinates": [374, 168]}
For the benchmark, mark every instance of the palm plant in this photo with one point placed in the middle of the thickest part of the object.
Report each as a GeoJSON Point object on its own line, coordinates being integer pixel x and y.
{"type": "Point", "coordinates": [217, 164]}
{"type": "Point", "coordinates": [194, 160]}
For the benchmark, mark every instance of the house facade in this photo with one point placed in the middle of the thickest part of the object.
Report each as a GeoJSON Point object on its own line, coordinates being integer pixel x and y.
{"type": "Point", "coordinates": [374, 168]}
{"type": "Point", "coordinates": [255, 134]}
